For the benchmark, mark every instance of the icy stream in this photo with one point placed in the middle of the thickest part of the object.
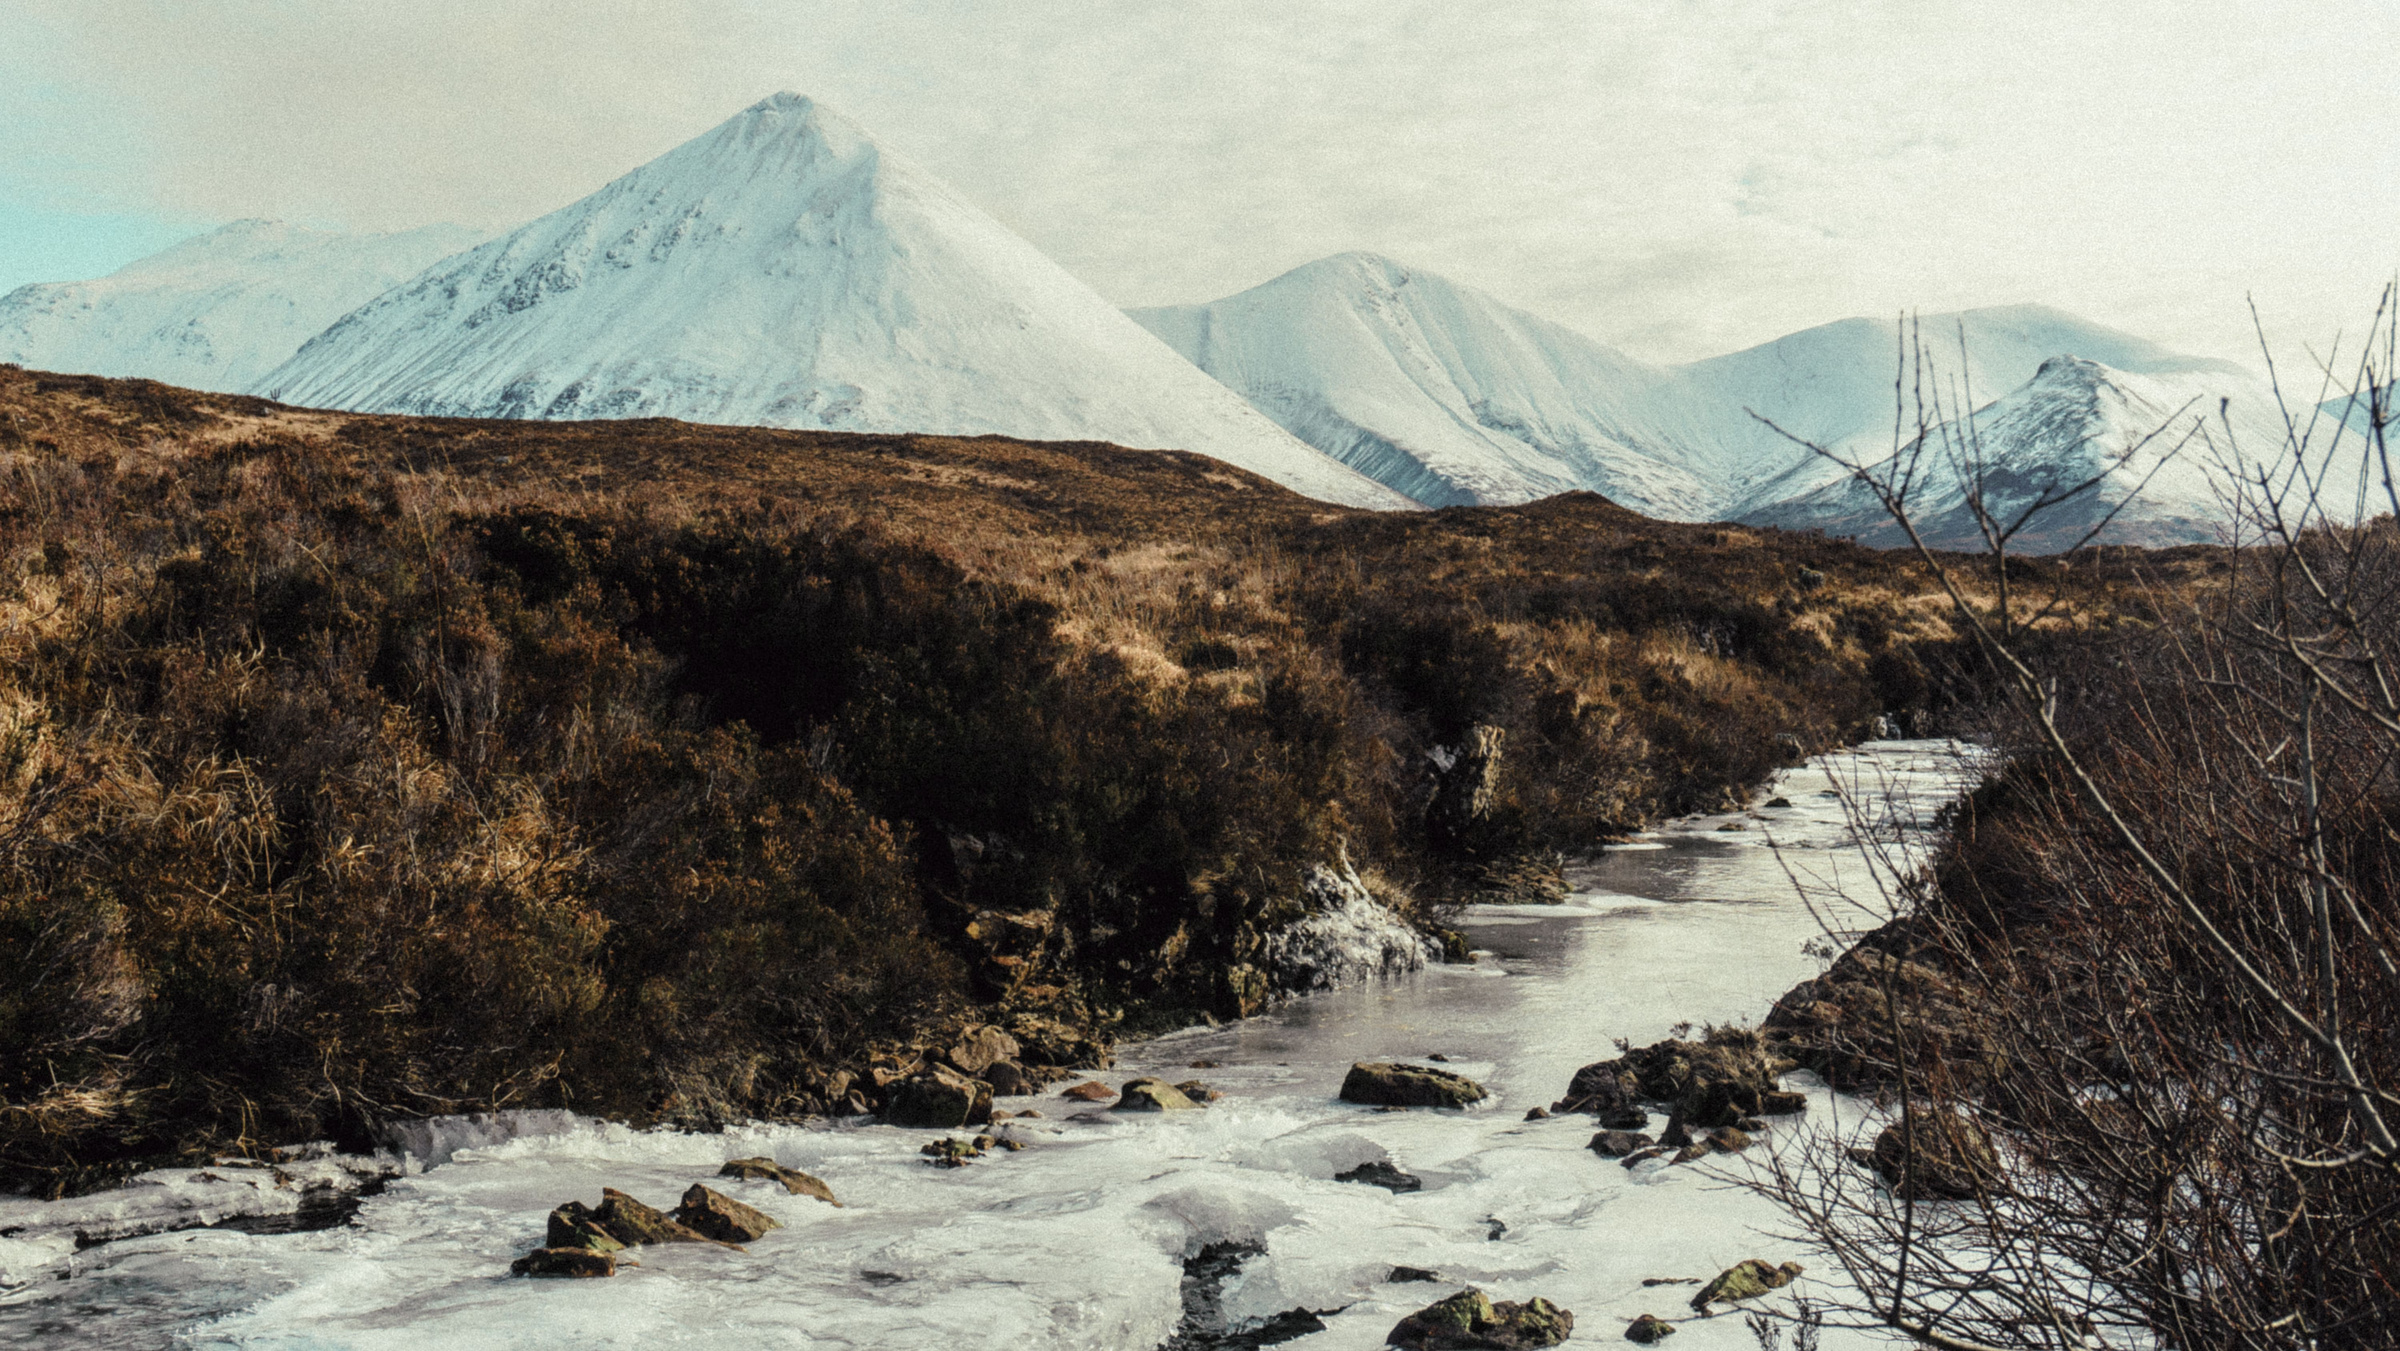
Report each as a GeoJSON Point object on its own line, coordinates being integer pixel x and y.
{"type": "Point", "coordinates": [1079, 1239]}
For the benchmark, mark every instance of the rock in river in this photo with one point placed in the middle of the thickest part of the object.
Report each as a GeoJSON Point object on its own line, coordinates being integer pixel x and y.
{"type": "Point", "coordinates": [1378, 1173]}
{"type": "Point", "coordinates": [1935, 1156]}
{"type": "Point", "coordinates": [1649, 1330]}
{"type": "Point", "coordinates": [570, 1262]}
{"type": "Point", "coordinates": [720, 1217]}
{"type": "Point", "coordinates": [1153, 1095]}
{"type": "Point", "coordinates": [1746, 1279]}
{"type": "Point", "coordinates": [940, 1098]}
{"type": "Point", "coordinates": [793, 1180]}
{"type": "Point", "coordinates": [1471, 1321]}
{"type": "Point", "coordinates": [1394, 1085]}
{"type": "Point", "coordinates": [1618, 1144]}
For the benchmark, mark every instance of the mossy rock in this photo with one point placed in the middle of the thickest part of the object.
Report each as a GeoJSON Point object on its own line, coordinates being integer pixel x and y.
{"type": "Point", "coordinates": [1471, 1321]}
{"type": "Point", "coordinates": [1152, 1095]}
{"type": "Point", "coordinates": [767, 1170]}
{"type": "Point", "coordinates": [1388, 1084]}
{"type": "Point", "coordinates": [1746, 1279]}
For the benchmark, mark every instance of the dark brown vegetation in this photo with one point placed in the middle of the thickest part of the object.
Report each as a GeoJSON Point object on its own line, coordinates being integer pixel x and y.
{"type": "Point", "coordinates": [355, 768]}
{"type": "Point", "coordinates": [2152, 986]}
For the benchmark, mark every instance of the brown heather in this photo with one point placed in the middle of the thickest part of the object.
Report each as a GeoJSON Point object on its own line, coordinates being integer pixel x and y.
{"type": "Point", "coordinates": [355, 768]}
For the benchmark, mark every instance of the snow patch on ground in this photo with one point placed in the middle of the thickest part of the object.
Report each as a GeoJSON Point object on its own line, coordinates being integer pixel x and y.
{"type": "Point", "coordinates": [1346, 937]}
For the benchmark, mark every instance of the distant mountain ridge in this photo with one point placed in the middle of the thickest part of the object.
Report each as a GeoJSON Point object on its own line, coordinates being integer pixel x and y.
{"type": "Point", "coordinates": [217, 311]}
{"type": "Point", "coordinates": [1455, 398]}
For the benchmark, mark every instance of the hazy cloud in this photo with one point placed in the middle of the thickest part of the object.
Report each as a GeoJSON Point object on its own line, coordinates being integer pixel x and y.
{"type": "Point", "coordinates": [1681, 178]}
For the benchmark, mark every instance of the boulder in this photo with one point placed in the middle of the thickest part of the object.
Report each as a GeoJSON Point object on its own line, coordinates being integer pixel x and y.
{"type": "Point", "coordinates": [1091, 1090]}
{"type": "Point", "coordinates": [1471, 1321]}
{"type": "Point", "coordinates": [1781, 1103]}
{"type": "Point", "coordinates": [1716, 1081]}
{"type": "Point", "coordinates": [793, 1180]}
{"type": "Point", "coordinates": [979, 1048]}
{"type": "Point", "coordinates": [938, 1099]}
{"type": "Point", "coordinates": [713, 1213]}
{"type": "Point", "coordinates": [1009, 1080]}
{"type": "Point", "coordinates": [1649, 1330]}
{"type": "Point", "coordinates": [1198, 1092]}
{"type": "Point", "coordinates": [631, 1223]}
{"type": "Point", "coordinates": [574, 1225]}
{"type": "Point", "coordinates": [1935, 1156]}
{"type": "Point", "coordinates": [1378, 1173]}
{"type": "Point", "coordinates": [1152, 1095]}
{"type": "Point", "coordinates": [1841, 1024]}
{"type": "Point", "coordinates": [1746, 1279]}
{"type": "Point", "coordinates": [1618, 1144]}
{"type": "Point", "coordinates": [1395, 1085]}
{"type": "Point", "coordinates": [1537, 1114]}
{"type": "Point", "coordinates": [1639, 1155]}
{"type": "Point", "coordinates": [567, 1262]}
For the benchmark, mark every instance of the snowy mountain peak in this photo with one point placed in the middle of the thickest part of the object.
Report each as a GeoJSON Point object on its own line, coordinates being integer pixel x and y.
{"type": "Point", "coordinates": [782, 269]}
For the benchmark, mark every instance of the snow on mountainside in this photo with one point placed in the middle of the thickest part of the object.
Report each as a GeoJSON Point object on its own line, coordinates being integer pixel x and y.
{"type": "Point", "coordinates": [217, 311]}
{"type": "Point", "coordinates": [2075, 421]}
{"type": "Point", "coordinates": [1439, 390]}
{"type": "Point", "coordinates": [1452, 397]}
{"type": "Point", "coordinates": [784, 270]}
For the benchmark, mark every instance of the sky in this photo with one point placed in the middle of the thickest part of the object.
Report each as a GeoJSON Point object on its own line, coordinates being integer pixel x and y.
{"type": "Point", "coordinates": [1676, 178]}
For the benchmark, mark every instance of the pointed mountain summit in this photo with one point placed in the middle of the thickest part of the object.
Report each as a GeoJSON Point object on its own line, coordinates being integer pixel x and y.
{"type": "Point", "coordinates": [784, 270]}
{"type": "Point", "coordinates": [216, 311]}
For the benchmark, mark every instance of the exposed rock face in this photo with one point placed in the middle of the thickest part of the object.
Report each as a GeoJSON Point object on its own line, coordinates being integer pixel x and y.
{"type": "Point", "coordinates": [793, 1180]}
{"type": "Point", "coordinates": [1466, 789]}
{"type": "Point", "coordinates": [1153, 1095]}
{"type": "Point", "coordinates": [1009, 1080]}
{"type": "Point", "coordinates": [1746, 1279]}
{"type": "Point", "coordinates": [1840, 1024]}
{"type": "Point", "coordinates": [1378, 1173]}
{"type": "Point", "coordinates": [1395, 1085]}
{"type": "Point", "coordinates": [979, 1048]}
{"type": "Point", "coordinates": [1471, 1321]}
{"type": "Point", "coordinates": [567, 1262]}
{"type": "Point", "coordinates": [718, 1216]}
{"type": "Point", "coordinates": [1648, 1330]}
{"type": "Point", "coordinates": [1935, 1156]}
{"type": "Point", "coordinates": [939, 1099]}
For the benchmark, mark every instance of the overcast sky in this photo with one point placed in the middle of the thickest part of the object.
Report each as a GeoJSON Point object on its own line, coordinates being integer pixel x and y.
{"type": "Point", "coordinates": [1676, 178]}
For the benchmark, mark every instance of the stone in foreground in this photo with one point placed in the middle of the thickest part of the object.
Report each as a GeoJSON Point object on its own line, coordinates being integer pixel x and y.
{"type": "Point", "coordinates": [1471, 1321]}
{"type": "Point", "coordinates": [572, 1263]}
{"type": "Point", "coordinates": [1393, 1085]}
{"type": "Point", "coordinates": [722, 1218]}
{"type": "Point", "coordinates": [1152, 1095]}
{"type": "Point", "coordinates": [1746, 1279]}
{"type": "Point", "coordinates": [1649, 1330]}
{"type": "Point", "coordinates": [793, 1180]}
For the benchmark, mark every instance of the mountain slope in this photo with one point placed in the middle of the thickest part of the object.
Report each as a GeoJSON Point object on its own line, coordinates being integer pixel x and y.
{"type": "Point", "coordinates": [2075, 421]}
{"type": "Point", "coordinates": [1450, 396]}
{"type": "Point", "coordinates": [216, 311]}
{"type": "Point", "coordinates": [1437, 389]}
{"type": "Point", "coordinates": [783, 270]}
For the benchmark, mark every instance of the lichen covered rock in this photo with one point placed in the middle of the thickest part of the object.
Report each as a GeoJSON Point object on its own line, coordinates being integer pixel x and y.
{"type": "Point", "coordinates": [1388, 1084]}
{"type": "Point", "coordinates": [1746, 1279]}
{"type": "Point", "coordinates": [1471, 1321]}
{"type": "Point", "coordinates": [1152, 1095]}
{"type": "Point", "coordinates": [1649, 1330]}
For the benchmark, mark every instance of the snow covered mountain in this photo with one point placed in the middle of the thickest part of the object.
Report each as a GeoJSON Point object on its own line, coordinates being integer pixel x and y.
{"type": "Point", "coordinates": [1441, 391]}
{"type": "Point", "coordinates": [2159, 440]}
{"type": "Point", "coordinates": [784, 270]}
{"type": "Point", "coordinates": [1452, 397]}
{"type": "Point", "coordinates": [216, 311]}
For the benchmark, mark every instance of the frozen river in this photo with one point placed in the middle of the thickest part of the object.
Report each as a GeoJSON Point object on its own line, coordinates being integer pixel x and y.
{"type": "Point", "coordinates": [1079, 1239]}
